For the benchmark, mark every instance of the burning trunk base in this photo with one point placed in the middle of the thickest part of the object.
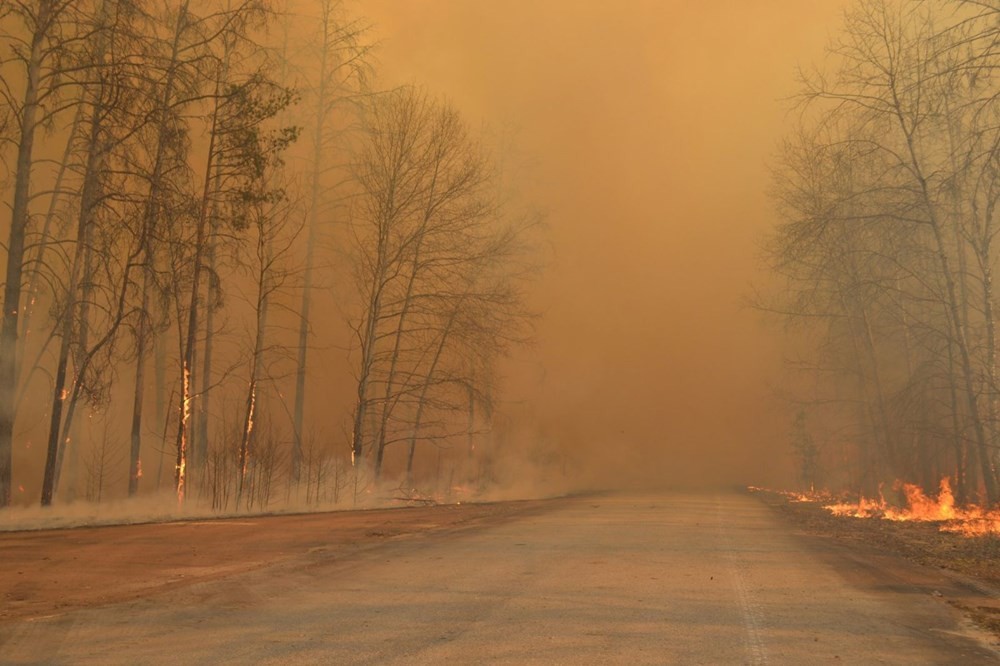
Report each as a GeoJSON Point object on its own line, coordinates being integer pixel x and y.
{"type": "Point", "coordinates": [970, 521]}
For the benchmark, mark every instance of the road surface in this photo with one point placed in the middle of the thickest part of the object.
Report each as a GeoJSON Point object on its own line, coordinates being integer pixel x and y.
{"type": "Point", "coordinates": [628, 579]}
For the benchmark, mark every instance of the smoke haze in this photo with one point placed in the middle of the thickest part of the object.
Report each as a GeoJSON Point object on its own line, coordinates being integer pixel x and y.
{"type": "Point", "coordinates": [642, 130]}
{"type": "Point", "coordinates": [649, 125]}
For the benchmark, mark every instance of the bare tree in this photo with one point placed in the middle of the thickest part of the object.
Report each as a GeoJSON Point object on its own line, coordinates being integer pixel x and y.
{"type": "Point", "coordinates": [432, 252]}
{"type": "Point", "coordinates": [885, 201]}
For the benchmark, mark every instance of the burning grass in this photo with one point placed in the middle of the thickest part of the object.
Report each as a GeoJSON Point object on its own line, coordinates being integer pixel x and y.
{"type": "Point", "coordinates": [968, 521]}
{"type": "Point", "coordinates": [966, 542]}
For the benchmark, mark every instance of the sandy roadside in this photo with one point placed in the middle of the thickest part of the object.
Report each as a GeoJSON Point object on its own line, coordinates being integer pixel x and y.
{"type": "Point", "coordinates": [50, 571]}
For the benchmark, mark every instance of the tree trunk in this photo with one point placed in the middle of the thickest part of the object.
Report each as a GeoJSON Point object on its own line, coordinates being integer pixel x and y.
{"type": "Point", "coordinates": [142, 340]}
{"type": "Point", "coordinates": [367, 357]}
{"type": "Point", "coordinates": [387, 399]}
{"type": "Point", "coordinates": [15, 249]}
{"type": "Point", "coordinates": [151, 215]}
{"type": "Point", "coordinates": [190, 339]}
{"type": "Point", "coordinates": [311, 239]}
{"type": "Point", "coordinates": [55, 449]}
{"type": "Point", "coordinates": [71, 428]}
{"type": "Point", "coordinates": [199, 444]}
{"type": "Point", "coordinates": [471, 423]}
{"type": "Point", "coordinates": [250, 414]}
{"type": "Point", "coordinates": [422, 401]}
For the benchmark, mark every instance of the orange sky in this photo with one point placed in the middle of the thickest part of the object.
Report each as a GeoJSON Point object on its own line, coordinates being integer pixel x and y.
{"type": "Point", "coordinates": [647, 126]}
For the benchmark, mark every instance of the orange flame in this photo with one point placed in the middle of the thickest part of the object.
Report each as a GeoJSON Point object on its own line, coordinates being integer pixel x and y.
{"type": "Point", "coordinates": [967, 521]}
{"type": "Point", "coordinates": [185, 418]}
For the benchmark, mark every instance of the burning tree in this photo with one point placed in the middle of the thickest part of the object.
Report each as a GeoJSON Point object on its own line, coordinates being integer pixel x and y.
{"type": "Point", "coordinates": [154, 180]}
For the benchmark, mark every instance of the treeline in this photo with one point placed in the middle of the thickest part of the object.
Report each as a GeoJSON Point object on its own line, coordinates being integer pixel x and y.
{"type": "Point", "coordinates": [888, 191]}
{"type": "Point", "coordinates": [187, 182]}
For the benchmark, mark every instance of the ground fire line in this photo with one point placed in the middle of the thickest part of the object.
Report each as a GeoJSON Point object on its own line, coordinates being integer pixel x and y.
{"type": "Point", "coordinates": [970, 520]}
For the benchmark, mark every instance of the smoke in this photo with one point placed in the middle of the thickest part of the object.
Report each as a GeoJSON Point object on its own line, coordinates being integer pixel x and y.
{"type": "Point", "coordinates": [648, 125]}
{"type": "Point", "coordinates": [643, 132]}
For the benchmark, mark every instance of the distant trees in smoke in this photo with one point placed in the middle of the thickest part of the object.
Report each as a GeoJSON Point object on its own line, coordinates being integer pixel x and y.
{"type": "Point", "coordinates": [435, 261]}
{"type": "Point", "coordinates": [888, 192]}
{"type": "Point", "coordinates": [185, 181]}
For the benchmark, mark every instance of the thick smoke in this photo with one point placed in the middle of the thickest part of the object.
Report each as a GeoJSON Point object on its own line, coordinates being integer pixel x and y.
{"type": "Point", "coordinates": [647, 127]}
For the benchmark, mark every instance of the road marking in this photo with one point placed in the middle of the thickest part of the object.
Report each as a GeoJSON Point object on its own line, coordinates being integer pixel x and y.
{"type": "Point", "coordinates": [753, 616]}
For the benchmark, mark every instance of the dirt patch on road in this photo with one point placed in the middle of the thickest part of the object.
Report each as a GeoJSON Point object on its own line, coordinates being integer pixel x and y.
{"type": "Point", "coordinates": [47, 572]}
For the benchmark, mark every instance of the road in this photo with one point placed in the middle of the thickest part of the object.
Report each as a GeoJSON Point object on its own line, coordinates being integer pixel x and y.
{"type": "Point", "coordinates": [628, 579]}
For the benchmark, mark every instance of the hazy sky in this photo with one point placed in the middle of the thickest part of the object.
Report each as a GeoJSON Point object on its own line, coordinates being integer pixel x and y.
{"type": "Point", "coordinates": [649, 124]}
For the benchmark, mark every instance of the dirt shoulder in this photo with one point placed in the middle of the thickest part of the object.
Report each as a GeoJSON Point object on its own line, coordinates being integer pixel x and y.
{"type": "Point", "coordinates": [51, 571]}
{"type": "Point", "coordinates": [973, 562]}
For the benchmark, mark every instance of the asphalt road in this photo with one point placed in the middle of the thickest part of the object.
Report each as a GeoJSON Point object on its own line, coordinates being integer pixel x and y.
{"type": "Point", "coordinates": [656, 579]}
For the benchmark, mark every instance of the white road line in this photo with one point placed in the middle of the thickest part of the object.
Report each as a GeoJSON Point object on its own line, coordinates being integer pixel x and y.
{"type": "Point", "coordinates": [753, 615]}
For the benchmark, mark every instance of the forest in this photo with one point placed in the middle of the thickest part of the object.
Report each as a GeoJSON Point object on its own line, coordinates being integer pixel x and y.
{"type": "Point", "coordinates": [214, 214]}
{"type": "Point", "coordinates": [883, 260]}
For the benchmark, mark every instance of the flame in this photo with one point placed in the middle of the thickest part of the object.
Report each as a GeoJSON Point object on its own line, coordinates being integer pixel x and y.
{"type": "Point", "coordinates": [185, 417]}
{"type": "Point", "coordinates": [138, 469]}
{"type": "Point", "coordinates": [251, 413]}
{"type": "Point", "coordinates": [968, 521]}
{"type": "Point", "coordinates": [187, 394]}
